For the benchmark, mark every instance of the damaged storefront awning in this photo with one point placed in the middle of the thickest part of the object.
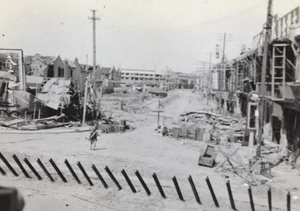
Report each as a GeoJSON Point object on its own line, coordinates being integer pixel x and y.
{"type": "Point", "coordinates": [287, 92]}
{"type": "Point", "coordinates": [296, 91]}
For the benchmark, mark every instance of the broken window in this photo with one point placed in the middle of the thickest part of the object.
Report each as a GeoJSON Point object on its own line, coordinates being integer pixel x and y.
{"type": "Point", "coordinates": [50, 73]}
{"type": "Point", "coordinates": [60, 72]}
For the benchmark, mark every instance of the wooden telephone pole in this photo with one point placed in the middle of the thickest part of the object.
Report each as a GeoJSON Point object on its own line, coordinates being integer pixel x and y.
{"type": "Point", "coordinates": [94, 18]}
{"type": "Point", "coordinates": [262, 90]}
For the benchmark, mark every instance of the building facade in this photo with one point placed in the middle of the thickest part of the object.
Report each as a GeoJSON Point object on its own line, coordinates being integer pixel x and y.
{"type": "Point", "coordinates": [242, 77]}
{"type": "Point", "coordinates": [143, 77]}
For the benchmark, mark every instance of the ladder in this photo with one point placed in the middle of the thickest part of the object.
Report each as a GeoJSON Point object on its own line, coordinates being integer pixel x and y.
{"type": "Point", "coordinates": [239, 77]}
{"type": "Point", "coordinates": [278, 71]}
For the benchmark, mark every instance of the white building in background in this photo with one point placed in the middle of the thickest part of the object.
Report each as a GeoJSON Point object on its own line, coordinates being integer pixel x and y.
{"type": "Point", "coordinates": [141, 77]}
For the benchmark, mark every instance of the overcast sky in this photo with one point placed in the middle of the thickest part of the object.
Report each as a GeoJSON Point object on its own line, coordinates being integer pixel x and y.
{"type": "Point", "coordinates": [146, 34]}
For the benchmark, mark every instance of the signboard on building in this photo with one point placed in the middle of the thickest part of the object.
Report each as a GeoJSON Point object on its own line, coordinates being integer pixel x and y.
{"type": "Point", "coordinates": [215, 80]}
{"type": "Point", "coordinates": [280, 27]}
{"type": "Point", "coordinates": [11, 67]}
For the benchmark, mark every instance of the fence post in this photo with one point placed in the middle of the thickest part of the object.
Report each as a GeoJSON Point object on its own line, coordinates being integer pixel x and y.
{"type": "Point", "coordinates": [57, 170]}
{"type": "Point", "coordinates": [162, 193]}
{"type": "Point", "coordinates": [113, 178]}
{"type": "Point", "coordinates": [85, 174]}
{"type": "Point", "coordinates": [230, 195]}
{"type": "Point", "coordinates": [8, 165]}
{"type": "Point", "coordinates": [194, 189]}
{"type": "Point", "coordinates": [72, 171]}
{"type": "Point", "coordinates": [99, 176]}
{"type": "Point", "coordinates": [21, 166]}
{"type": "Point", "coordinates": [270, 199]}
{"type": "Point", "coordinates": [288, 197]}
{"type": "Point", "coordinates": [212, 192]}
{"type": "Point", "coordinates": [143, 183]}
{"type": "Point", "coordinates": [2, 171]}
{"type": "Point", "coordinates": [177, 188]}
{"type": "Point", "coordinates": [251, 199]}
{"type": "Point", "coordinates": [45, 170]}
{"type": "Point", "coordinates": [128, 181]}
{"type": "Point", "coordinates": [32, 169]}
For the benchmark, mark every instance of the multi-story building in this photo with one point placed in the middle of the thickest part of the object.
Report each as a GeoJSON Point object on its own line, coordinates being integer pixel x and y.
{"type": "Point", "coordinates": [140, 77]}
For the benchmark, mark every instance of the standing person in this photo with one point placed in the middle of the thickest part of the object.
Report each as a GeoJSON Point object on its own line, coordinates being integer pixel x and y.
{"type": "Point", "coordinates": [94, 135]}
{"type": "Point", "coordinates": [165, 131]}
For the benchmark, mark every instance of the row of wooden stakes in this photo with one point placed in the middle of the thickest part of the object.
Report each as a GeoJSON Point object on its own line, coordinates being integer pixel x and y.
{"type": "Point", "coordinates": [177, 187]}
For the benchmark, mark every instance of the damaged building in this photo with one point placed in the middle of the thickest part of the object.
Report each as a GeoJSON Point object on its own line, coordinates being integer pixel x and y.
{"type": "Point", "coordinates": [39, 87]}
{"type": "Point", "coordinates": [235, 81]}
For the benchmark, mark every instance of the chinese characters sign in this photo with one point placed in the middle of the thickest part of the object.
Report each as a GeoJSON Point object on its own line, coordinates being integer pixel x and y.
{"type": "Point", "coordinates": [282, 25]}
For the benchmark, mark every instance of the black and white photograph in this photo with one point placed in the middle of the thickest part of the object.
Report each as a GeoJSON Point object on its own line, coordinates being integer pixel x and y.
{"type": "Point", "coordinates": [149, 105]}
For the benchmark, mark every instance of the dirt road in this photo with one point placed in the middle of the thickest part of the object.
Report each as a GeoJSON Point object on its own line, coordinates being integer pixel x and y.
{"type": "Point", "coordinates": [142, 150]}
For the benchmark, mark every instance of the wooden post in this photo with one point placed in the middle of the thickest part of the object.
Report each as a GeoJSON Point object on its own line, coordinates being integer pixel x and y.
{"type": "Point", "coordinates": [8, 165]}
{"type": "Point", "coordinates": [162, 193]}
{"type": "Point", "coordinates": [45, 170]}
{"type": "Point", "coordinates": [177, 189]}
{"type": "Point", "coordinates": [85, 174]}
{"type": "Point", "coordinates": [72, 171]}
{"type": "Point", "coordinates": [194, 189]}
{"type": "Point", "coordinates": [99, 176]}
{"type": "Point", "coordinates": [263, 75]}
{"type": "Point", "coordinates": [212, 192]}
{"type": "Point", "coordinates": [21, 166]}
{"type": "Point", "coordinates": [85, 102]}
{"type": "Point", "coordinates": [113, 178]}
{"type": "Point", "coordinates": [230, 195]}
{"type": "Point", "coordinates": [57, 170]}
{"type": "Point", "coordinates": [157, 118]}
{"type": "Point", "coordinates": [143, 183]}
{"type": "Point", "coordinates": [32, 169]}
{"type": "Point", "coordinates": [34, 109]}
{"type": "Point", "coordinates": [270, 199]}
{"type": "Point", "coordinates": [251, 199]}
{"type": "Point", "coordinates": [128, 181]}
{"type": "Point", "coordinates": [288, 197]}
{"type": "Point", "coordinates": [2, 171]}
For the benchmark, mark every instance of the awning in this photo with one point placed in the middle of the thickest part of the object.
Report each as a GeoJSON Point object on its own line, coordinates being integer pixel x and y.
{"type": "Point", "coordinates": [288, 92]}
{"type": "Point", "coordinates": [296, 91]}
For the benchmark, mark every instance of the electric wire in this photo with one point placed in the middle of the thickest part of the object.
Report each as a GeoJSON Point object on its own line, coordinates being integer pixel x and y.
{"type": "Point", "coordinates": [113, 25]}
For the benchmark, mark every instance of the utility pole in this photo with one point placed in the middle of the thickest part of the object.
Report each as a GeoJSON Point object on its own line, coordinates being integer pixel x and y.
{"type": "Point", "coordinates": [208, 80]}
{"type": "Point", "coordinates": [268, 31]}
{"type": "Point", "coordinates": [94, 18]}
{"type": "Point", "coordinates": [85, 92]}
{"type": "Point", "coordinates": [224, 42]}
{"type": "Point", "coordinates": [224, 38]}
{"type": "Point", "coordinates": [209, 60]}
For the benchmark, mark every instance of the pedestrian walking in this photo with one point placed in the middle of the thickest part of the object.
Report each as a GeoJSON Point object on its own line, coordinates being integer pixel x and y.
{"type": "Point", "coordinates": [94, 136]}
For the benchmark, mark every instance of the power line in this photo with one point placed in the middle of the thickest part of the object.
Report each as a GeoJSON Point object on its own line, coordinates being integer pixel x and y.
{"type": "Point", "coordinates": [129, 29]}
{"type": "Point", "coordinates": [225, 38]}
